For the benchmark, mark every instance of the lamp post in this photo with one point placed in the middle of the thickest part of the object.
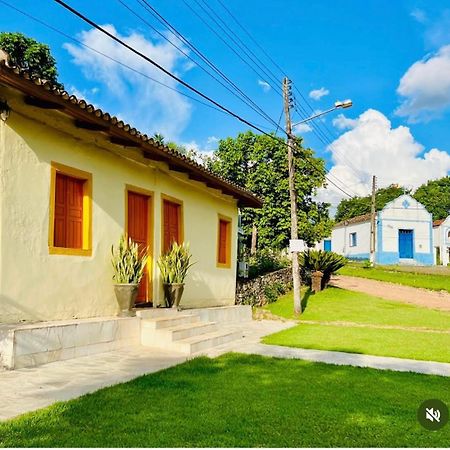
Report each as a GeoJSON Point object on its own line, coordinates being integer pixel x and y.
{"type": "Point", "coordinates": [292, 192]}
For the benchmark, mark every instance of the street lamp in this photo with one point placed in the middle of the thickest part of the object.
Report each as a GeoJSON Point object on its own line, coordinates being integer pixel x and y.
{"type": "Point", "coordinates": [292, 192]}
{"type": "Point", "coordinates": [337, 105]}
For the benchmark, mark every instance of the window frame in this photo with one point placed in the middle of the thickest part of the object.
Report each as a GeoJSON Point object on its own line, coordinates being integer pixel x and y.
{"type": "Point", "coordinates": [168, 198]}
{"type": "Point", "coordinates": [353, 242]}
{"type": "Point", "coordinates": [229, 221]}
{"type": "Point", "coordinates": [86, 177]}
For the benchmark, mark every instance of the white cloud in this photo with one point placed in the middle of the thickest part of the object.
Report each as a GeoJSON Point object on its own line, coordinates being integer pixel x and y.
{"type": "Point", "coordinates": [302, 128]}
{"type": "Point", "coordinates": [419, 15]}
{"type": "Point", "coordinates": [317, 94]}
{"type": "Point", "coordinates": [136, 99]}
{"type": "Point", "coordinates": [212, 141]}
{"type": "Point", "coordinates": [426, 87]}
{"type": "Point", "coordinates": [265, 85]}
{"type": "Point", "coordinates": [373, 147]}
{"type": "Point", "coordinates": [342, 123]}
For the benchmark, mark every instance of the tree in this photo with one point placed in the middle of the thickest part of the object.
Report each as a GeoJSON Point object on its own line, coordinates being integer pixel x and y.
{"type": "Point", "coordinates": [259, 163]}
{"type": "Point", "coordinates": [357, 206]}
{"type": "Point", "coordinates": [29, 54]}
{"type": "Point", "coordinates": [435, 196]}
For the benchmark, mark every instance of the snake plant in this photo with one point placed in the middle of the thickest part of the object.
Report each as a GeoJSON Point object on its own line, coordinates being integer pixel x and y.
{"type": "Point", "coordinates": [175, 264]}
{"type": "Point", "coordinates": [128, 262]}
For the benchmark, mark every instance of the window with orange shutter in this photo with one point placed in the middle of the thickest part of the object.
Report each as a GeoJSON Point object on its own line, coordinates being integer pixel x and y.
{"type": "Point", "coordinates": [68, 229]}
{"type": "Point", "coordinates": [224, 243]}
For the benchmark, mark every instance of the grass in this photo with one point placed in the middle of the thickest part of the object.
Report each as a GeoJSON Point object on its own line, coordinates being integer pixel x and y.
{"type": "Point", "coordinates": [339, 305]}
{"type": "Point", "coordinates": [242, 401]}
{"type": "Point", "coordinates": [433, 281]}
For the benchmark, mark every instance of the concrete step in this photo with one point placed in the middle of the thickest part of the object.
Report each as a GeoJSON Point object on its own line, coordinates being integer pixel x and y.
{"type": "Point", "coordinates": [163, 337]}
{"type": "Point", "coordinates": [159, 323]}
{"type": "Point", "coordinates": [202, 342]}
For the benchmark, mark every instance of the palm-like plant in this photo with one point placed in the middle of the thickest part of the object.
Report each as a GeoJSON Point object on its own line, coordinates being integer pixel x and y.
{"type": "Point", "coordinates": [320, 261]}
{"type": "Point", "coordinates": [128, 262]}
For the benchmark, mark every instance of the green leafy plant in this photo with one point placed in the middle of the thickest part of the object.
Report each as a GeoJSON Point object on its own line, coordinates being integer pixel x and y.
{"type": "Point", "coordinates": [266, 260]}
{"type": "Point", "coordinates": [128, 261]}
{"type": "Point", "coordinates": [319, 261]}
{"type": "Point", "coordinates": [175, 264]}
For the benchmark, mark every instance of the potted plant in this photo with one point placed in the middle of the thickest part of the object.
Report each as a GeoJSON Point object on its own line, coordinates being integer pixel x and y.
{"type": "Point", "coordinates": [174, 266]}
{"type": "Point", "coordinates": [128, 264]}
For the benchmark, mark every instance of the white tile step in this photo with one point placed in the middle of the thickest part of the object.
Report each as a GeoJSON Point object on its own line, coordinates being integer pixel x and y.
{"type": "Point", "coordinates": [188, 330]}
{"type": "Point", "coordinates": [158, 323]}
{"type": "Point", "coordinates": [205, 341]}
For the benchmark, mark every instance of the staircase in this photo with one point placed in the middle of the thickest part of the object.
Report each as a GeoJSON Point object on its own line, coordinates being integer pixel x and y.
{"type": "Point", "coordinates": [184, 332]}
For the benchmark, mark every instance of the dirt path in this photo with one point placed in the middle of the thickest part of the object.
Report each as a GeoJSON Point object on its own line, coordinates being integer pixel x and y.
{"type": "Point", "coordinates": [391, 291]}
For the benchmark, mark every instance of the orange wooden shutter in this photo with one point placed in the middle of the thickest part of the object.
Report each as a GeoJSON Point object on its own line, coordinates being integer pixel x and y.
{"type": "Point", "coordinates": [68, 212]}
{"type": "Point", "coordinates": [138, 232]}
{"type": "Point", "coordinates": [223, 241]}
{"type": "Point", "coordinates": [171, 224]}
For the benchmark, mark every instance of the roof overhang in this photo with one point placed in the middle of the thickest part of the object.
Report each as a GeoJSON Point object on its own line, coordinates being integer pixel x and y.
{"type": "Point", "coordinates": [41, 94]}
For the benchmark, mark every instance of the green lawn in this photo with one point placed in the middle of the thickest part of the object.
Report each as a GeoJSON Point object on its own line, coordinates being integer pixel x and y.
{"type": "Point", "coordinates": [433, 281]}
{"type": "Point", "coordinates": [242, 401]}
{"type": "Point", "coordinates": [339, 305]}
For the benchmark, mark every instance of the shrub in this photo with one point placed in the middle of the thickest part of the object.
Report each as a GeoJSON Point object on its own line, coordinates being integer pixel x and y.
{"type": "Point", "coordinates": [317, 260]}
{"type": "Point", "coordinates": [273, 291]}
{"type": "Point", "coordinates": [265, 261]}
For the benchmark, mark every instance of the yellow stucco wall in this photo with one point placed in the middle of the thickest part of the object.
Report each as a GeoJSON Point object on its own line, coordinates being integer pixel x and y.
{"type": "Point", "coordinates": [35, 285]}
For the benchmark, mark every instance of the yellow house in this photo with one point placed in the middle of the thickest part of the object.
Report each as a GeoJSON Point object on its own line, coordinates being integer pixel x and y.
{"type": "Point", "coordinates": [72, 180]}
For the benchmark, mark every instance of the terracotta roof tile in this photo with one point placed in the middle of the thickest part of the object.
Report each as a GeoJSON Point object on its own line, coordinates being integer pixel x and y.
{"type": "Point", "coordinates": [23, 79]}
{"type": "Point", "coordinates": [358, 219]}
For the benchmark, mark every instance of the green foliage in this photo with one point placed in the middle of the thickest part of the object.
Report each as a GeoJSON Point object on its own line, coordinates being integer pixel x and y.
{"type": "Point", "coordinates": [435, 196]}
{"type": "Point", "coordinates": [248, 401]}
{"type": "Point", "coordinates": [266, 260]}
{"type": "Point", "coordinates": [317, 260]}
{"type": "Point", "coordinates": [128, 262]}
{"type": "Point", "coordinates": [259, 163]}
{"type": "Point", "coordinates": [175, 264]}
{"type": "Point", "coordinates": [31, 55]}
{"type": "Point", "coordinates": [357, 206]}
{"type": "Point", "coordinates": [273, 291]}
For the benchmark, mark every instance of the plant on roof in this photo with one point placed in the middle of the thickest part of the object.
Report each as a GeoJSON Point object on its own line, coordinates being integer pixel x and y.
{"type": "Point", "coordinates": [31, 55]}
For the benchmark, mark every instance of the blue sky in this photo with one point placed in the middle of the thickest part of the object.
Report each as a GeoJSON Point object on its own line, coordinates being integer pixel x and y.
{"type": "Point", "coordinates": [390, 58]}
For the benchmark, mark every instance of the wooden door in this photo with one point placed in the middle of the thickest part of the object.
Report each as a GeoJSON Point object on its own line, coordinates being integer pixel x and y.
{"type": "Point", "coordinates": [172, 225]}
{"type": "Point", "coordinates": [138, 231]}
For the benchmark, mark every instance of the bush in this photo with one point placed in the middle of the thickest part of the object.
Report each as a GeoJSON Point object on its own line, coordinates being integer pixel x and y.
{"type": "Point", "coordinates": [317, 260]}
{"type": "Point", "coordinates": [273, 291]}
{"type": "Point", "coordinates": [265, 261]}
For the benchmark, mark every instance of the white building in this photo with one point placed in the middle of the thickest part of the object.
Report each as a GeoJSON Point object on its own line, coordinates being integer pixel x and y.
{"type": "Point", "coordinates": [441, 240]}
{"type": "Point", "coordinates": [403, 234]}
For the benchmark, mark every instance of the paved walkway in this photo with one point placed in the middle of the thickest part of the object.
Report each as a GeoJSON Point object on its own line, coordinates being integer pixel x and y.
{"type": "Point", "coordinates": [26, 390]}
{"type": "Point", "coordinates": [391, 291]}
{"type": "Point", "coordinates": [350, 359]}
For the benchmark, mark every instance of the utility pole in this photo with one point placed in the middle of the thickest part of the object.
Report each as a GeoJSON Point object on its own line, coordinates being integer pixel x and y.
{"type": "Point", "coordinates": [292, 195]}
{"type": "Point", "coordinates": [373, 222]}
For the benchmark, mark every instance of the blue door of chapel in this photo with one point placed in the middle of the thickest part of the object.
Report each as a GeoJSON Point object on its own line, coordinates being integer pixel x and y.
{"type": "Point", "coordinates": [405, 244]}
{"type": "Point", "coordinates": [327, 245]}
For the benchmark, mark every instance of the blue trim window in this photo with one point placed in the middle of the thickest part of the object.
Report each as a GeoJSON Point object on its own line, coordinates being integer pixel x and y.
{"type": "Point", "coordinates": [353, 240]}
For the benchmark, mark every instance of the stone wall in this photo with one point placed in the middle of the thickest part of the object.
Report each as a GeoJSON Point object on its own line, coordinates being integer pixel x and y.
{"type": "Point", "coordinates": [254, 292]}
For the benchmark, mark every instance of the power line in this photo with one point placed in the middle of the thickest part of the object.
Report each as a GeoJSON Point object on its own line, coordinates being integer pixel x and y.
{"type": "Point", "coordinates": [242, 46]}
{"type": "Point", "coordinates": [56, 30]}
{"type": "Point", "coordinates": [149, 8]}
{"type": "Point", "coordinates": [154, 63]}
{"type": "Point", "coordinates": [227, 43]}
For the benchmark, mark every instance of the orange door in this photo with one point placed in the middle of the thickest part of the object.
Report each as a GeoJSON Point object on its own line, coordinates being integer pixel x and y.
{"type": "Point", "coordinates": [138, 231]}
{"type": "Point", "coordinates": [171, 230]}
